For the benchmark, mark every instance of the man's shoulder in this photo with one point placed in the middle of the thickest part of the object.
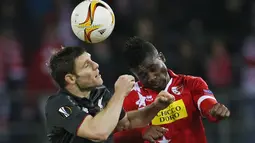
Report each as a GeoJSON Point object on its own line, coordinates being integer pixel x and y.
{"type": "Point", "coordinates": [193, 81]}
{"type": "Point", "coordinates": [191, 77]}
{"type": "Point", "coordinates": [58, 99]}
{"type": "Point", "coordinates": [185, 77]}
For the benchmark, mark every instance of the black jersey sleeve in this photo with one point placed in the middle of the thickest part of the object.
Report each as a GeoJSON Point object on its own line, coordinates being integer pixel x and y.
{"type": "Point", "coordinates": [108, 95]}
{"type": "Point", "coordinates": [63, 112]}
{"type": "Point", "coordinates": [122, 114]}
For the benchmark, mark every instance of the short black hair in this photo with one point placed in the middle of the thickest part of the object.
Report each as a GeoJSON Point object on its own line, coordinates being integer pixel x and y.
{"type": "Point", "coordinates": [136, 50]}
{"type": "Point", "coordinates": [63, 62]}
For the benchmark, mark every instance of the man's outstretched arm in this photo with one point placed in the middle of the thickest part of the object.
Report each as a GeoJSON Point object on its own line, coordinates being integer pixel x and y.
{"type": "Point", "coordinates": [207, 104]}
{"type": "Point", "coordinates": [142, 117]}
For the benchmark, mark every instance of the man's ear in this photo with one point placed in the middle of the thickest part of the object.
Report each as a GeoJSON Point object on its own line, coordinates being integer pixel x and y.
{"type": "Point", "coordinates": [70, 79]}
{"type": "Point", "coordinates": [162, 57]}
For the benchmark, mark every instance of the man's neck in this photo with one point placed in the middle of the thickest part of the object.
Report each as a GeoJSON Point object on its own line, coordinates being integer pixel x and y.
{"type": "Point", "coordinates": [78, 93]}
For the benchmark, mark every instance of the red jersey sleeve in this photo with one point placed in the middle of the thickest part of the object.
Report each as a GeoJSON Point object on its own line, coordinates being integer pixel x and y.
{"type": "Point", "coordinates": [202, 97]}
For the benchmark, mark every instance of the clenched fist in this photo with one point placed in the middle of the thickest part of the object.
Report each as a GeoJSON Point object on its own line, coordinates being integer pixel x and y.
{"type": "Point", "coordinates": [154, 133]}
{"type": "Point", "coordinates": [124, 84]}
{"type": "Point", "coordinates": [219, 111]}
{"type": "Point", "coordinates": [164, 99]}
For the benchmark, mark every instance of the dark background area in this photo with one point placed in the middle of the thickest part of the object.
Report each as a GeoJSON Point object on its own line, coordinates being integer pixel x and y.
{"type": "Point", "coordinates": [214, 39]}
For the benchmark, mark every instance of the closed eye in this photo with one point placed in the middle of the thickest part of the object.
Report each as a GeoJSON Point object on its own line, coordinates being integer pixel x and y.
{"type": "Point", "coordinates": [86, 65]}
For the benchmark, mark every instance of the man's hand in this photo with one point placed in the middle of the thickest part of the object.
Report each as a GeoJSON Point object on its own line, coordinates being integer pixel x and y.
{"type": "Point", "coordinates": [154, 133]}
{"type": "Point", "coordinates": [124, 85]}
{"type": "Point", "coordinates": [164, 99]}
{"type": "Point", "coordinates": [219, 111]}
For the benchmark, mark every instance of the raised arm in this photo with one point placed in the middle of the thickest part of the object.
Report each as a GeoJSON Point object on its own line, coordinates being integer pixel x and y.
{"type": "Point", "coordinates": [82, 124]}
{"type": "Point", "coordinates": [142, 117]}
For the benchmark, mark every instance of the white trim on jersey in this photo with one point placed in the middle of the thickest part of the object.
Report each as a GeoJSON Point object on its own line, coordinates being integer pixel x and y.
{"type": "Point", "coordinates": [202, 98]}
{"type": "Point", "coordinates": [99, 103]}
{"type": "Point", "coordinates": [168, 84]}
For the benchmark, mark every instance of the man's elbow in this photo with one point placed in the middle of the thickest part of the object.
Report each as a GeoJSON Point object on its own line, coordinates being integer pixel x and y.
{"type": "Point", "coordinates": [101, 137]}
{"type": "Point", "coordinates": [95, 135]}
{"type": "Point", "coordinates": [92, 131]}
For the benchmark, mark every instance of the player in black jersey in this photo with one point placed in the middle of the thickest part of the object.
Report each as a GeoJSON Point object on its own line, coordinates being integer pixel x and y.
{"type": "Point", "coordinates": [84, 111]}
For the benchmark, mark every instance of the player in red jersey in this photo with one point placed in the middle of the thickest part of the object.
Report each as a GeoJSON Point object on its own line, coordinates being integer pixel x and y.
{"type": "Point", "coordinates": [181, 121]}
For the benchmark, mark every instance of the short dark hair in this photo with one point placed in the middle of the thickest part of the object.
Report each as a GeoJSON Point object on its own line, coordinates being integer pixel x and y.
{"type": "Point", "coordinates": [136, 50]}
{"type": "Point", "coordinates": [63, 62]}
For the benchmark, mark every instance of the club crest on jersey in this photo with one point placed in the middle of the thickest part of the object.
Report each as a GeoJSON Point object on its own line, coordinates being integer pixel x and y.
{"type": "Point", "coordinates": [177, 90]}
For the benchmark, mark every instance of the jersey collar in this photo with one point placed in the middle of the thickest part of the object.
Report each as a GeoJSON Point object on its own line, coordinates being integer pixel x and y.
{"type": "Point", "coordinates": [66, 92]}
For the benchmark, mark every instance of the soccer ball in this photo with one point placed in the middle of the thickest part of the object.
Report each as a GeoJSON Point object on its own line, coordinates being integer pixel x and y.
{"type": "Point", "coordinates": [92, 21]}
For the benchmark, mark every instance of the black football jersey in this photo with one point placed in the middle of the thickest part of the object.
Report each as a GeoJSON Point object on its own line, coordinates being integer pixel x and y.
{"type": "Point", "coordinates": [65, 112]}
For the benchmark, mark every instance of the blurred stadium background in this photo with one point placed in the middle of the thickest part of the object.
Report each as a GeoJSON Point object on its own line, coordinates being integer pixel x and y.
{"type": "Point", "coordinates": [214, 39]}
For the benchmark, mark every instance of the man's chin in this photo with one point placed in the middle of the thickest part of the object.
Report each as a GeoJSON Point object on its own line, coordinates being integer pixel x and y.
{"type": "Point", "coordinates": [158, 89]}
{"type": "Point", "coordinates": [100, 82]}
{"type": "Point", "coordinates": [95, 85]}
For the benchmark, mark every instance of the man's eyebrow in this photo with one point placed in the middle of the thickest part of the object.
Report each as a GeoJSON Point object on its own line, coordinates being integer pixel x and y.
{"type": "Point", "coordinates": [86, 61]}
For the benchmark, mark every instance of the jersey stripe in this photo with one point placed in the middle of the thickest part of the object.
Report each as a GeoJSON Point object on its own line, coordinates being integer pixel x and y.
{"type": "Point", "coordinates": [202, 98]}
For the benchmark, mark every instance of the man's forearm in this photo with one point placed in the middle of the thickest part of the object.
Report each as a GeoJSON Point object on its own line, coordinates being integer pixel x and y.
{"type": "Point", "coordinates": [107, 119]}
{"type": "Point", "coordinates": [142, 117]}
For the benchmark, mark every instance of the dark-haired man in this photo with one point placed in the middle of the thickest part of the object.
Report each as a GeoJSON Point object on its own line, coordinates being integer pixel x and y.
{"type": "Point", "coordinates": [84, 111]}
{"type": "Point", "coordinates": [181, 121]}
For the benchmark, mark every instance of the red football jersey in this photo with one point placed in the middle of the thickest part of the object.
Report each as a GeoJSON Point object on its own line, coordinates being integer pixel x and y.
{"type": "Point", "coordinates": [193, 100]}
